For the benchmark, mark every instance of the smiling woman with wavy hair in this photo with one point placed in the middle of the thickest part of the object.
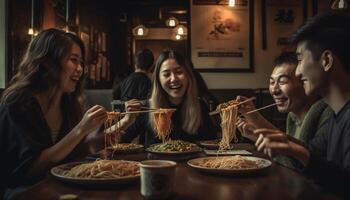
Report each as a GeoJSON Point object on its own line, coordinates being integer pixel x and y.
{"type": "Point", "coordinates": [41, 117]}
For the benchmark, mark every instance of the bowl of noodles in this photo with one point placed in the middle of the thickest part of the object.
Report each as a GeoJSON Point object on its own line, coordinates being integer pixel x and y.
{"type": "Point", "coordinates": [98, 172]}
{"type": "Point", "coordinates": [230, 165]}
{"type": "Point", "coordinates": [174, 147]}
{"type": "Point", "coordinates": [121, 148]}
{"type": "Point", "coordinates": [125, 148]}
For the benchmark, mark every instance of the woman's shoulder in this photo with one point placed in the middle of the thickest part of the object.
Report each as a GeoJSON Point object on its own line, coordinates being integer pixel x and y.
{"type": "Point", "coordinates": [21, 102]}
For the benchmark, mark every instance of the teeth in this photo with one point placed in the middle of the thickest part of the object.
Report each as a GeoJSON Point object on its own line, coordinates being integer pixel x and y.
{"type": "Point", "coordinates": [280, 99]}
{"type": "Point", "coordinates": [175, 87]}
{"type": "Point", "coordinates": [75, 79]}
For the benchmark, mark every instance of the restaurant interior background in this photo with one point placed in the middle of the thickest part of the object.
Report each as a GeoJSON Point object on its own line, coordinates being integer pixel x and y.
{"type": "Point", "coordinates": [110, 30]}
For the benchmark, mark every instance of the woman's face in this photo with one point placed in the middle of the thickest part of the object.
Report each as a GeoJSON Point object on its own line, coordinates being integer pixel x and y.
{"type": "Point", "coordinates": [173, 80]}
{"type": "Point", "coordinates": [72, 69]}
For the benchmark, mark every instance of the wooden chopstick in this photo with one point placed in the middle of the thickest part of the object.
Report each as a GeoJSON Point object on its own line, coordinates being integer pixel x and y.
{"type": "Point", "coordinates": [256, 110]}
{"type": "Point", "coordinates": [138, 111]}
{"type": "Point", "coordinates": [147, 108]}
{"type": "Point", "coordinates": [145, 111]}
{"type": "Point", "coordinates": [240, 103]}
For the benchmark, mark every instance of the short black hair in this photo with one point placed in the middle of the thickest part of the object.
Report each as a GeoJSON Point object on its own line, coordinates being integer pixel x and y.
{"type": "Point", "coordinates": [144, 59]}
{"type": "Point", "coordinates": [286, 57]}
{"type": "Point", "coordinates": [328, 31]}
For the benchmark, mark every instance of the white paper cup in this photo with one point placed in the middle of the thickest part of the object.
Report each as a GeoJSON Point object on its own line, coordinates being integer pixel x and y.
{"type": "Point", "coordinates": [157, 178]}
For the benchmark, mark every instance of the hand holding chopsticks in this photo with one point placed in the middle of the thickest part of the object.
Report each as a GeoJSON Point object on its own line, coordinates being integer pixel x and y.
{"type": "Point", "coordinates": [240, 103]}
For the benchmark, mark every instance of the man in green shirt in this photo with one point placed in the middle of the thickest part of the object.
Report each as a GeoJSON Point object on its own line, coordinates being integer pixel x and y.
{"type": "Point", "coordinates": [307, 115]}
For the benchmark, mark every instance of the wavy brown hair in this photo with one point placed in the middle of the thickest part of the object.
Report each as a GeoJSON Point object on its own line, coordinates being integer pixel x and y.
{"type": "Point", "coordinates": [40, 68]}
{"type": "Point", "coordinates": [191, 115]}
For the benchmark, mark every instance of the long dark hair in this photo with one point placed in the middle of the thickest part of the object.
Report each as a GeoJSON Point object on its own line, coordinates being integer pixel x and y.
{"type": "Point", "coordinates": [191, 115]}
{"type": "Point", "coordinates": [40, 68]}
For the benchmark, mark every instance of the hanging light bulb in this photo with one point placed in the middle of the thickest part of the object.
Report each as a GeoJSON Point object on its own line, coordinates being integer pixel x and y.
{"type": "Point", "coordinates": [339, 5]}
{"type": "Point", "coordinates": [232, 3]}
{"type": "Point", "coordinates": [180, 31]}
{"type": "Point", "coordinates": [30, 31]}
{"type": "Point", "coordinates": [178, 37]}
{"type": "Point", "coordinates": [140, 30]}
{"type": "Point", "coordinates": [172, 22]}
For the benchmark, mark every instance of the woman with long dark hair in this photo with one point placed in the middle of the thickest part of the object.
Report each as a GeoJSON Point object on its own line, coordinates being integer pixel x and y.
{"type": "Point", "coordinates": [41, 114]}
{"type": "Point", "coordinates": [174, 86]}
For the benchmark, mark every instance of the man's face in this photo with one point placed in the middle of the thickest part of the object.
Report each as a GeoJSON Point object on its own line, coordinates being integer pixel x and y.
{"type": "Point", "coordinates": [286, 90]}
{"type": "Point", "coordinates": [310, 71]}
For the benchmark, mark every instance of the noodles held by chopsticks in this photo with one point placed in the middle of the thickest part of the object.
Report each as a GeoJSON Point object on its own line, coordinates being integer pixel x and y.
{"type": "Point", "coordinates": [111, 129]}
{"type": "Point", "coordinates": [162, 120]}
{"type": "Point", "coordinates": [228, 116]}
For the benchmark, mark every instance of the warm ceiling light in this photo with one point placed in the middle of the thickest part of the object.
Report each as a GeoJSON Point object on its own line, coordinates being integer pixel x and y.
{"type": "Point", "coordinates": [140, 30]}
{"type": "Point", "coordinates": [181, 30]}
{"type": "Point", "coordinates": [178, 37]}
{"type": "Point", "coordinates": [232, 3]}
{"type": "Point", "coordinates": [30, 31]}
{"type": "Point", "coordinates": [339, 5]}
{"type": "Point", "coordinates": [172, 22]}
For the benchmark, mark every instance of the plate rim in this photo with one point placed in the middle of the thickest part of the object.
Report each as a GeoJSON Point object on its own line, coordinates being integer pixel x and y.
{"type": "Point", "coordinates": [229, 171]}
{"type": "Point", "coordinates": [91, 180]}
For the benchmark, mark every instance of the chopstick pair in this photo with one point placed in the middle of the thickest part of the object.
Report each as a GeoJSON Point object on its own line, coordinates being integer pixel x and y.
{"type": "Point", "coordinates": [147, 108]}
{"type": "Point", "coordinates": [262, 108]}
{"type": "Point", "coordinates": [133, 112]}
{"type": "Point", "coordinates": [240, 103]}
{"type": "Point", "coordinates": [145, 111]}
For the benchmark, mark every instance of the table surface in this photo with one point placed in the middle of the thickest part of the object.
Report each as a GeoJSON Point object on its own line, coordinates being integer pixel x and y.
{"type": "Point", "coordinates": [277, 183]}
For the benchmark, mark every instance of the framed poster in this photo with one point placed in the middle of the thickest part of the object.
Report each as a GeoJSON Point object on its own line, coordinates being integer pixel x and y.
{"type": "Point", "coordinates": [222, 36]}
{"type": "Point", "coordinates": [321, 6]}
{"type": "Point", "coordinates": [282, 20]}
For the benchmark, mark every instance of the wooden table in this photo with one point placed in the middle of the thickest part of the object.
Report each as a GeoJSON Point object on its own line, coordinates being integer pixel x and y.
{"type": "Point", "coordinates": [278, 183]}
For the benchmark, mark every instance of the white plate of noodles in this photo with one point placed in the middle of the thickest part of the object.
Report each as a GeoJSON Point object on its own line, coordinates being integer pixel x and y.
{"type": "Point", "coordinates": [230, 165]}
{"type": "Point", "coordinates": [98, 172]}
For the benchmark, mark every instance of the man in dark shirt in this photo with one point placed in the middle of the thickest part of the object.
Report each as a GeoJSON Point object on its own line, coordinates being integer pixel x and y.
{"type": "Point", "coordinates": [323, 45]}
{"type": "Point", "coordinates": [138, 84]}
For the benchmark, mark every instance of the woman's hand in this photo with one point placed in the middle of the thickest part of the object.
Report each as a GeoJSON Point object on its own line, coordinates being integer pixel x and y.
{"type": "Point", "coordinates": [131, 105]}
{"type": "Point", "coordinates": [92, 119]}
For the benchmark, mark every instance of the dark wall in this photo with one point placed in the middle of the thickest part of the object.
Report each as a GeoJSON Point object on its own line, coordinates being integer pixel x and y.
{"type": "Point", "coordinates": [18, 38]}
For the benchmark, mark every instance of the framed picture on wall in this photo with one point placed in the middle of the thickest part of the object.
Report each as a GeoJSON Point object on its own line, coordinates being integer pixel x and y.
{"type": "Point", "coordinates": [222, 36]}
{"type": "Point", "coordinates": [321, 6]}
{"type": "Point", "coordinates": [283, 17]}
